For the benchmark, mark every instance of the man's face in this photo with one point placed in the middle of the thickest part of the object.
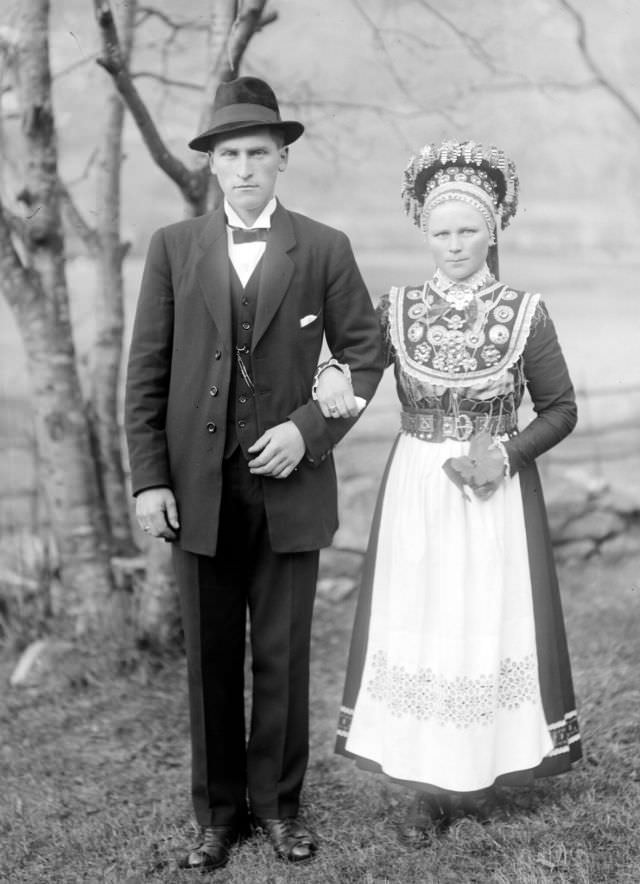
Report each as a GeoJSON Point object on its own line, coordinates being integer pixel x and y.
{"type": "Point", "coordinates": [247, 165]}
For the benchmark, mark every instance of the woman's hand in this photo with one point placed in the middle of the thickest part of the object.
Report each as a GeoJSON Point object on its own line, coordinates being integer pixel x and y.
{"type": "Point", "coordinates": [488, 471]}
{"type": "Point", "coordinates": [335, 394]}
{"type": "Point", "coordinates": [482, 469]}
{"type": "Point", "coordinates": [492, 476]}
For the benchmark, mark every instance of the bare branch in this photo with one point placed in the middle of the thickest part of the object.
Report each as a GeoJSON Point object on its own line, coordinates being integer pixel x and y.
{"type": "Point", "coordinates": [247, 22]}
{"type": "Point", "coordinates": [88, 166]}
{"type": "Point", "coordinates": [266, 20]}
{"type": "Point", "coordinates": [599, 76]}
{"type": "Point", "coordinates": [336, 104]}
{"type": "Point", "coordinates": [17, 281]}
{"type": "Point", "coordinates": [69, 69]}
{"type": "Point", "coordinates": [147, 12]}
{"type": "Point", "coordinates": [166, 81]}
{"type": "Point", "coordinates": [17, 225]}
{"type": "Point", "coordinates": [475, 47]}
{"type": "Point", "coordinates": [76, 220]}
{"type": "Point", "coordinates": [220, 27]}
{"type": "Point", "coordinates": [231, 31]}
{"type": "Point", "coordinates": [379, 39]}
{"type": "Point", "coordinates": [112, 60]}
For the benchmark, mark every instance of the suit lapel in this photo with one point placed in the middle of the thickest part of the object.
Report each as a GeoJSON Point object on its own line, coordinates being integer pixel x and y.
{"type": "Point", "coordinates": [277, 270]}
{"type": "Point", "coordinates": [212, 272]}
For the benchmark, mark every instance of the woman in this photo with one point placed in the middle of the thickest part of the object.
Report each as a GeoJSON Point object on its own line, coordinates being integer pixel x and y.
{"type": "Point", "coordinates": [458, 676]}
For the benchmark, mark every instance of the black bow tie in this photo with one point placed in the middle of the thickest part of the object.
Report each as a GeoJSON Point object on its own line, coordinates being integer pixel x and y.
{"type": "Point", "coordinates": [253, 234]}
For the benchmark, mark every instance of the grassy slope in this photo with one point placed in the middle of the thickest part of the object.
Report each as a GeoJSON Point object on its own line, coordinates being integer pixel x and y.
{"type": "Point", "coordinates": [95, 775]}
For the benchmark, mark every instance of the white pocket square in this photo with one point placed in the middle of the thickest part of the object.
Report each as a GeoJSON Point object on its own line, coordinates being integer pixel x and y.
{"type": "Point", "coordinates": [307, 320]}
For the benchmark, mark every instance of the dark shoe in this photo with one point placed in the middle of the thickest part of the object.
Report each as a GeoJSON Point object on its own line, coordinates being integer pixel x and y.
{"type": "Point", "coordinates": [291, 840]}
{"type": "Point", "coordinates": [213, 853]}
{"type": "Point", "coordinates": [427, 815]}
{"type": "Point", "coordinates": [481, 806]}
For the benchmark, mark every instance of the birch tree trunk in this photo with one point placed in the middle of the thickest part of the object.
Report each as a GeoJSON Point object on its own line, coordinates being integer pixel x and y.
{"type": "Point", "coordinates": [36, 289]}
{"type": "Point", "coordinates": [106, 369]}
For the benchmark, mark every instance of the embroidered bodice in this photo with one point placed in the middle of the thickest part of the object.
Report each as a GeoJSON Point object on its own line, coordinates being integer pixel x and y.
{"type": "Point", "coordinates": [458, 344]}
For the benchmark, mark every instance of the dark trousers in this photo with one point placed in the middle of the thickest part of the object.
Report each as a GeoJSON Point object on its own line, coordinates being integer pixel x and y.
{"type": "Point", "coordinates": [278, 591]}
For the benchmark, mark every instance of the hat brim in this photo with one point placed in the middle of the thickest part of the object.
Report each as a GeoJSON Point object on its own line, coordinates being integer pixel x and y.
{"type": "Point", "coordinates": [291, 130]}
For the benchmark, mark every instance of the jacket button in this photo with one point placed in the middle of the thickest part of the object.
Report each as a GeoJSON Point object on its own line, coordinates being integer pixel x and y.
{"type": "Point", "coordinates": [246, 326]}
{"type": "Point", "coordinates": [218, 354]}
{"type": "Point", "coordinates": [213, 391]}
{"type": "Point", "coordinates": [211, 427]}
{"type": "Point", "coordinates": [242, 399]}
{"type": "Point", "coordinates": [241, 424]}
{"type": "Point", "coordinates": [245, 301]}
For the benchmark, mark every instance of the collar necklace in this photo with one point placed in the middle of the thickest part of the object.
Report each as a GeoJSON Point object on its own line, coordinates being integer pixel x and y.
{"type": "Point", "coordinates": [460, 293]}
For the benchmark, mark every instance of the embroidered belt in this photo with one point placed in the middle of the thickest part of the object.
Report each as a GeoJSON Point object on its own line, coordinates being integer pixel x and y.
{"type": "Point", "coordinates": [434, 426]}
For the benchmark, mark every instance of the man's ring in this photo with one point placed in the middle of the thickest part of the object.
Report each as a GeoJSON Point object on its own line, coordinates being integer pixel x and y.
{"type": "Point", "coordinates": [146, 529]}
{"type": "Point", "coordinates": [333, 409]}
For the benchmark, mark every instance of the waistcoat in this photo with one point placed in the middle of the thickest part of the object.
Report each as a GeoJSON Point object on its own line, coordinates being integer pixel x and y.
{"type": "Point", "coordinates": [242, 423]}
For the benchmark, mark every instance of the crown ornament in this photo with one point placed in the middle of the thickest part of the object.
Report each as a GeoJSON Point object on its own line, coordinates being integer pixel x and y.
{"type": "Point", "coordinates": [468, 163]}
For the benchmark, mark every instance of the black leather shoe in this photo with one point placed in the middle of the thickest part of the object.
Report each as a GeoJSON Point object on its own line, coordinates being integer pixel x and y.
{"type": "Point", "coordinates": [428, 815]}
{"type": "Point", "coordinates": [481, 807]}
{"type": "Point", "coordinates": [213, 853]}
{"type": "Point", "coordinates": [291, 840]}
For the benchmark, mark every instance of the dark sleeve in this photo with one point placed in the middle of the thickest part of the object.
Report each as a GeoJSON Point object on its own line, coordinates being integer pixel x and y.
{"type": "Point", "coordinates": [352, 332]}
{"type": "Point", "coordinates": [149, 371]}
{"type": "Point", "coordinates": [551, 392]}
{"type": "Point", "coordinates": [382, 312]}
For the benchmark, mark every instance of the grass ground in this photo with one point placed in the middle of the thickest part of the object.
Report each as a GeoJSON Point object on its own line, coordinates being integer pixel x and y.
{"type": "Point", "coordinates": [95, 771]}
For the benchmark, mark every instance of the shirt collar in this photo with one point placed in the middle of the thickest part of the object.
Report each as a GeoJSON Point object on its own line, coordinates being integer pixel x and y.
{"type": "Point", "coordinates": [263, 219]}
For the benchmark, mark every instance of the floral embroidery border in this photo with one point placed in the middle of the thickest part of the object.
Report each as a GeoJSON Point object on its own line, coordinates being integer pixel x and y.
{"type": "Point", "coordinates": [462, 701]}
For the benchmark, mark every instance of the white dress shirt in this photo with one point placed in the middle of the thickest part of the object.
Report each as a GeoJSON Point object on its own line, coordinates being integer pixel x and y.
{"type": "Point", "coordinates": [245, 256]}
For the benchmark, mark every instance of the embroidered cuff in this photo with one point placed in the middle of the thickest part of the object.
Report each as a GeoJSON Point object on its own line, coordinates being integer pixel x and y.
{"type": "Point", "coordinates": [330, 363]}
{"type": "Point", "coordinates": [505, 456]}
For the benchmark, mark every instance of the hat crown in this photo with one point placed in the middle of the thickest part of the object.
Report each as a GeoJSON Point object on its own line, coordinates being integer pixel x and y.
{"type": "Point", "coordinates": [241, 104]}
{"type": "Point", "coordinates": [246, 90]}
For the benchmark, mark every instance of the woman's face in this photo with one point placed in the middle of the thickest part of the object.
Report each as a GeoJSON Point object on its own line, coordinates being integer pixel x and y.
{"type": "Point", "coordinates": [458, 238]}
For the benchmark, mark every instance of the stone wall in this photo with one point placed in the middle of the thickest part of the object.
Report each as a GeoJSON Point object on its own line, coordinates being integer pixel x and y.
{"type": "Point", "coordinates": [587, 518]}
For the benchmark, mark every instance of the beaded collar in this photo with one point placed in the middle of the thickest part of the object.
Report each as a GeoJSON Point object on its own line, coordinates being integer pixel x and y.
{"type": "Point", "coordinates": [460, 293]}
{"type": "Point", "coordinates": [440, 341]}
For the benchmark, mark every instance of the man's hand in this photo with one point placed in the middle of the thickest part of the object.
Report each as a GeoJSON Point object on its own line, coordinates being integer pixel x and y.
{"type": "Point", "coordinates": [335, 394]}
{"type": "Point", "coordinates": [279, 451]}
{"type": "Point", "coordinates": [157, 513]}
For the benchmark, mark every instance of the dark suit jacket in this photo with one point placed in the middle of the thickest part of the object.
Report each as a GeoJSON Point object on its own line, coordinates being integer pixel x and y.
{"type": "Point", "coordinates": [180, 367]}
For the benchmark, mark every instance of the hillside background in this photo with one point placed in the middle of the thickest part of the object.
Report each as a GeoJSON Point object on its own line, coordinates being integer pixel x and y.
{"type": "Point", "coordinates": [373, 81]}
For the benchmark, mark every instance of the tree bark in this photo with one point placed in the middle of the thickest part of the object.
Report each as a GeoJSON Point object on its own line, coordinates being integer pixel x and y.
{"type": "Point", "coordinates": [158, 614]}
{"type": "Point", "coordinates": [37, 292]}
{"type": "Point", "coordinates": [104, 405]}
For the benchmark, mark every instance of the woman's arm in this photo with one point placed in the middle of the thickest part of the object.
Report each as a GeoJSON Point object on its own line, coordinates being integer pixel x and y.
{"type": "Point", "coordinates": [551, 391]}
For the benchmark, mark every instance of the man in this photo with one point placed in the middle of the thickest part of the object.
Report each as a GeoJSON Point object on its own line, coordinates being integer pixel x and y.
{"type": "Point", "coordinates": [231, 458]}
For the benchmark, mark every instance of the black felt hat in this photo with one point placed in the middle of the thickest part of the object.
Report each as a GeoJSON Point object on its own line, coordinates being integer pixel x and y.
{"type": "Point", "coordinates": [244, 104]}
